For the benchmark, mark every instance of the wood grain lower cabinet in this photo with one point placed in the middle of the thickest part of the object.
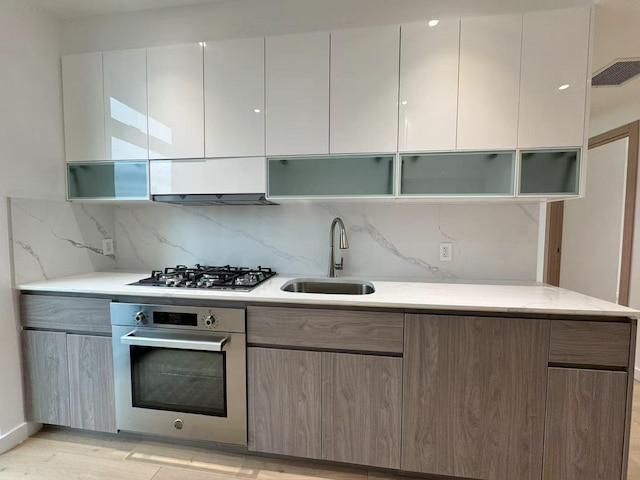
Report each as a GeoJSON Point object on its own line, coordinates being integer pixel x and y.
{"type": "Point", "coordinates": [91, 383]}
{"type": "Point", "coordinates": [474, 396]}
{"type": "Point", "coordinates": [46, 377]}
{"type": "Point", "coordinates": [361, 409]}
{"type": "Point", "coordinates": [585, 424]}
{"type": "Point", "coordinates": [284, 388]}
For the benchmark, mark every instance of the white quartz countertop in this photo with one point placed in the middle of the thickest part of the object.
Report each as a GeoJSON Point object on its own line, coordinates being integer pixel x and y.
{"type": "Point", "coordinates": [480, 297]}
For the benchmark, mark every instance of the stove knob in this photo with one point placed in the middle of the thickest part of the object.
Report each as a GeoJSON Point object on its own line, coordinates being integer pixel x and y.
{"type": "Point", "coordinates": [178, 424]}
{"type": "Point", "coordinates": [141, 317]}
{"type": "Point", "coordinates": [210, 320]}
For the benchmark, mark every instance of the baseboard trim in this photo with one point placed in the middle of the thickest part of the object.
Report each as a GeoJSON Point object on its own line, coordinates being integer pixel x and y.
{"type": "Point", "coordinates": [636, 373]}
{"type": "Point", "coordinates": [18, 435]}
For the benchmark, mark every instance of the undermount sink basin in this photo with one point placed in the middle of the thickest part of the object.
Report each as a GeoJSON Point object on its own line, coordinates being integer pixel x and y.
{"type": "Point", "coordinates": [330, 287]}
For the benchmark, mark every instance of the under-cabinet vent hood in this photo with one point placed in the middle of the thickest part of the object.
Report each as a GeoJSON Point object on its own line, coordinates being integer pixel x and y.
{"type": "Point", "coordinates": [210, 181]}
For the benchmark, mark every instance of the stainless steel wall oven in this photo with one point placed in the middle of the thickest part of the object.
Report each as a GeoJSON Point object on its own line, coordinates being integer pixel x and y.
{"type": "Point", "coordinates": [180, 371]}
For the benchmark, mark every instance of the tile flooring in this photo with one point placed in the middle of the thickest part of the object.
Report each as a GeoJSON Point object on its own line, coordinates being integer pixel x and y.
{"type": "Point", "coordinates": [62, 454]}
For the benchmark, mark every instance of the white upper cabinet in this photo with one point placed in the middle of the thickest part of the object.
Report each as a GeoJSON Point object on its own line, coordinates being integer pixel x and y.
{"type": "Point", "coordinates": [234, 98]}
{"type": "Point", "coordinates": [83, 107]}
{"type": "Point", "coordinates": [364, 90]}
{"type": "Point", "coordinates": [125, 105]}
{"type": "Point", "coordinates": [555, 54]}
{"type": "Point", "coordinates": [489, 86]}
{"type": "Point", "coordinates": [297, 76]}
{"type": "Point", "coordinates": [429, 86]}
{"type": "Point", "coordinates": [176, 99]}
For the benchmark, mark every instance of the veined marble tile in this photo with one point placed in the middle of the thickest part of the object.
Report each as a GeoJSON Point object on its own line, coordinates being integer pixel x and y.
{"type": "Point", "coordinates": [496, 241]}
{"type": "Point", "coordinates": [53, 239]}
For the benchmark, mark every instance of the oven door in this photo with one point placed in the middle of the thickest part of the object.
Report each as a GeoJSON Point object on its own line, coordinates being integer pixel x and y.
{"type": "Point", "coordinates": [181, 383]}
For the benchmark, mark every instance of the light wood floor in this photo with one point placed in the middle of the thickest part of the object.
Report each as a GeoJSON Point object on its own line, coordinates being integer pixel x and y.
{"type": "Point", "coordinates": [61, 454]}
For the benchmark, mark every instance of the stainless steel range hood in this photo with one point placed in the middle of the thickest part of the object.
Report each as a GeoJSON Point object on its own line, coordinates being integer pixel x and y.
{"type": "Point", "coordinates": [210, 181]}
{"type": "Point", "coordinates": [198, 200]}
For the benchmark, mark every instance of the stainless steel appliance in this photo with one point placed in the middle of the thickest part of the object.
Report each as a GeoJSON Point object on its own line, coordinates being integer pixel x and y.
{"type": "Point", "coordinates": [180, 371]}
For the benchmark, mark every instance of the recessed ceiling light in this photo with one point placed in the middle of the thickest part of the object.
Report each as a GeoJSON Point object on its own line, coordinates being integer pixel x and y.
{"type": "Point", "coordinates": [257, 110]}
{"type": "Point", "coordinates": [404, 102]}
{"type": "Point", "coordinates": [203, 44]}
{"type": "Point", "coordinates": [433, 23]}
{"type": "Point", "coordinates": [564, 87]}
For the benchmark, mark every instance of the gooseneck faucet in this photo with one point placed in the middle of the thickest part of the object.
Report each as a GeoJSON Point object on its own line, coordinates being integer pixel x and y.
{"type": "Point", "coordinates": [344, 244]}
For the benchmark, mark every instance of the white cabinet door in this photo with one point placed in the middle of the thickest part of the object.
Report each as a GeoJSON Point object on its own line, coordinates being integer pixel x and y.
{"type": "Point", "coordinates": [176, 98]}
{"type": "Point", "coordinates": [364, 90]}
{"type": "Point", "coordinates": [555, 53]}
{"type": "Point", "coordinates": [429, 86]}
{"type": "Point", "coordinates": [83, 107]}
{"type": "Point", "coordinates": [234, 98]}
{"type": "Point", "coordinates": [297, 76]}
{"type": "Point", "coordinates": [125, 104]}
{"type": "Point", "coordinates": [489, 82]}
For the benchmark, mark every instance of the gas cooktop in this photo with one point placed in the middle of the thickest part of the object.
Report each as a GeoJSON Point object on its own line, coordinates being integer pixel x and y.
{"type": "Point", "coordinates": [208, 277]}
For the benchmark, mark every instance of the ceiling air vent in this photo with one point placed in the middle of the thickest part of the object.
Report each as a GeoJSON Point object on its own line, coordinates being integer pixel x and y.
{"type": "Point", "coordinates": [618, 73]}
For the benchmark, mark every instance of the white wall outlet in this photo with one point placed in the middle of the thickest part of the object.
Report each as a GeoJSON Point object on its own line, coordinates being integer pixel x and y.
{"type": "Point", "coordinates": [446, 252]}
{"type": "Point", "coordinates": [107, 246]}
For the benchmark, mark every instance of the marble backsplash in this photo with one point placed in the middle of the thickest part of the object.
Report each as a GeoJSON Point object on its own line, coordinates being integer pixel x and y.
{"type": "Point", "coordinates": [53, 239]}
{"type": "Point", "coordinates": [490, 241]}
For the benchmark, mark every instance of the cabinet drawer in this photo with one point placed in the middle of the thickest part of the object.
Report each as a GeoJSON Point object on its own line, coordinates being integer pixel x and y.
{"type": "Point", "coordinates": [590, 343]}
{"type": "Point", "coordinates": [72, 314]}
{"type": "Point", "coordinates": [326, 329]}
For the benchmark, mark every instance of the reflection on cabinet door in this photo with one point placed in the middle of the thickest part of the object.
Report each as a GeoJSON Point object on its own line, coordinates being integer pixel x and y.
{"type": "Point", "coordinates": [83, 107]}
{"type": "Point", "coordinates": [176, 97]}
{"type": "Point", "coordinates": [125, 104]}
{"type": "Point", "coordinates": [297, 76]}
{"type": "Point", "coordinates": [585, 424]}
{"type": "Point", "coordinates": [361, 409]}
{"type": "Point", "coordinates": [46, 377]}
{"type": "Point", "coordinates": [364, 90]}
{"type": "Point", "coordinates": [284, 389]}
{"type": "Point", "coordinates": [92, 395]}
{"type": "Point", "coordinates": [234, 98]}
{"type": "Point", "coordinates": [489, 82]}
{"type": "Point", "coordinates": [429, 86]}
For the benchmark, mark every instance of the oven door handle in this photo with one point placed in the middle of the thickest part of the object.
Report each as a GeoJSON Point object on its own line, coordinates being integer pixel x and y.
{"type": "Point", "coordinates": [174, 342]}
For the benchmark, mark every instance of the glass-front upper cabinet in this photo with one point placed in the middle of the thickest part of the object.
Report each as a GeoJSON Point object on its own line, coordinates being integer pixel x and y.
{"type": "Point", "coordinates": [108, 181]}
{"type": "Point", "coordinates": [457, 174]}
{"type": "Point", "coordinates": [332, 176]}
{"type": "Point", "coordinates": [549, 173]}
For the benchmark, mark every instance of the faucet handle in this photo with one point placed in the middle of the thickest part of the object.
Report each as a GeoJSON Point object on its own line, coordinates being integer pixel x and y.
{"type": "Point", "coordinates": [340, 266]}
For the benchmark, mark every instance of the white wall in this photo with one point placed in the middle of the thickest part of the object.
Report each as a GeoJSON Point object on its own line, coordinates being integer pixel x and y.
{"type": "Point", "coordinates": [258, 18]}
{"type": "Point", "coordinates": [31, 161]}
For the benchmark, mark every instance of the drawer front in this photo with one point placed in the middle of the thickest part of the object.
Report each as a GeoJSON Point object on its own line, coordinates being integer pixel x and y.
{"type": "Point", "coordinates": [326, 329]}
{"type": "Point", "coordinates": [590, 343]}
{"type": "Point", "coordinates": [72, 314]}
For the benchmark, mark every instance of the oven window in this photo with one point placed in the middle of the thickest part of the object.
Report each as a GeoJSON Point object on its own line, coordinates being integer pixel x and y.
{"type": "Point", "coordinates": [188, 381]}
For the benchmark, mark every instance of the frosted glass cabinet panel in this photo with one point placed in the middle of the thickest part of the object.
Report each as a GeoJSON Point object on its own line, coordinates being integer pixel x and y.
{"type": "Point", "coordinates": [176, 98]}
{"type": "Point", "coordinates": [108, 181]}
{"type": "Point", "coordinates": [336, 176]}
{"type": "Point", "coordinates": [125, 104]}
{"type": "Point", "coordinates": [458, 174]}
{"type": "Point", "coordinates": [550, 172]}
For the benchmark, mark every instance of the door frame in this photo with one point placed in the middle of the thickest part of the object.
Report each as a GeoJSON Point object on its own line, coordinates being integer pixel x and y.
{"type": "Point", "coordinates": [555, 213]}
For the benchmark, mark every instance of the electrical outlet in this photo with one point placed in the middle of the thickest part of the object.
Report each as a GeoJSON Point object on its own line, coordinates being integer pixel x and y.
{"type": "Point", "coordinates": [446, 252]}
{"type": "Point", "coordinates": [107, 246]}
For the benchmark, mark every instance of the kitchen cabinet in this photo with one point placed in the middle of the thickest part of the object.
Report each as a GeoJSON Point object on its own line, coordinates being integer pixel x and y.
{"type": "Point", "coordinates": [364, 90]}
{"type": "Point", "coordinates": [46, 377]}
{"type": "Point", "coordinates": [585, 424]}
{"type": "Point", "coordinates": [234, 98]}
{"type": "Point", "coordinates": [361, 409]}
{"type": "Point", "coordinates": [125, 105]}
{"type": "Point", "coordinates": [549, 173]}
{"type": "Point", "coordinates": [429, 58]}
{"type": "Point", "coordinates": [474, 396]}
{"type": "Point", "coordinates": [175, 84]}
{"type": "Point", "coordinates": [284, 388]}
{"type": "Point", "coordinates": [91, 383]}
{"type": "Point", "coordinates": [297, 94]}
{"type": "Point", "coordinates": [83, 103]}
{"type": "Point", "coordinates": [489, 85]}
{"type": "Point", "coordinates": [555, 53]}
{"type": "Point", "coordinates": [108, 181]}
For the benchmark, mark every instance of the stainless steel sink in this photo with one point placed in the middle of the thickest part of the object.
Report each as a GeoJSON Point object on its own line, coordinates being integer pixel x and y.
{"type": "Point", "coordinates": [330, 287]}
